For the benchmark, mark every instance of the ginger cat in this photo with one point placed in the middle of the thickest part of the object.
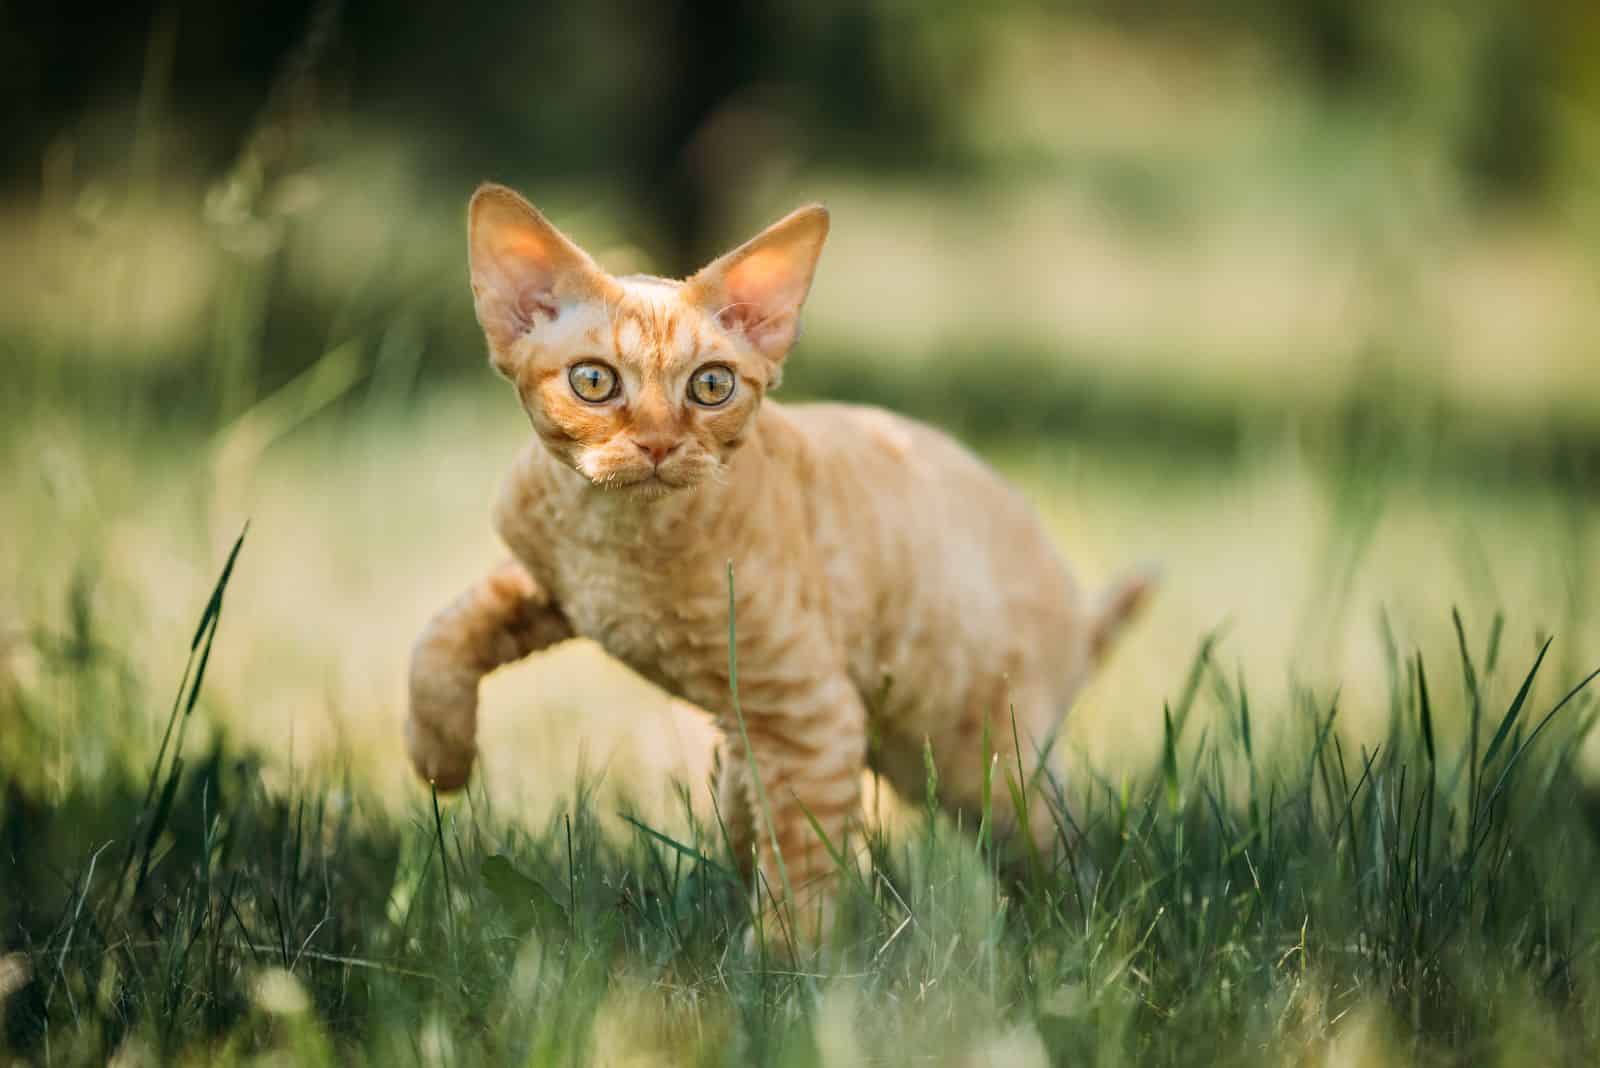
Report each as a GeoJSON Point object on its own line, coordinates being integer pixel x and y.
{"type": "Point", "coordinates": [864, 546]}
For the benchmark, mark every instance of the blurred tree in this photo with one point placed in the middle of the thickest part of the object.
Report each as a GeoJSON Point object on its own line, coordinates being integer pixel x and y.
{"type": "Point", "coordinates": [577, 89]}
{"type": "Point", "coordinates": [1337, 38]}
{"type": "Point", "coordinates": [709, 52]}
{"type": "Point", "coordinates": [66, 65]}
{"type": "Point", "coordinates": [627, 89]}
{"type": "Point", "coordinates": [1505, 145]}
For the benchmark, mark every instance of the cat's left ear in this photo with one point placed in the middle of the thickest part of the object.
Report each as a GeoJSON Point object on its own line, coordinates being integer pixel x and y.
{"type": "Point", "coordinates": [758, 288]}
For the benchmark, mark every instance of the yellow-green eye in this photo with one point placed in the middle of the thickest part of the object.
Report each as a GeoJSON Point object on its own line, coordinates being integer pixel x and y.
{"type": "Point", "coordinates": [711, 385]}
{"type": "Point", "coordinates": [593, 382]}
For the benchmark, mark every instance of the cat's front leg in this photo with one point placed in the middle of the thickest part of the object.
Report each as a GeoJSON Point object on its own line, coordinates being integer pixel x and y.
{"type": "Point", "coordinates": [735, 805]}
{"type": "Point", "coordinates": [502, 618]}
{"type": "Point", "coordinates": [809, 745]}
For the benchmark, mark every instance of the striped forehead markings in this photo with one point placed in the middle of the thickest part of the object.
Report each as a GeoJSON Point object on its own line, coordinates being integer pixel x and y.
{"type": "Point", "coordinates": [650, 330]}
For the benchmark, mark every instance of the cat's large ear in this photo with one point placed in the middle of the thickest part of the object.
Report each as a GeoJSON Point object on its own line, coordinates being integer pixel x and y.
{"type": "Point", "coordinates": [523, 269]}
{"type": "Point", "coordinates": [758, 288]}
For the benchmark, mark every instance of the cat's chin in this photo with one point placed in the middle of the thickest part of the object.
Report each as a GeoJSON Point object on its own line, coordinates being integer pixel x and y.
{"type": "Point", "coordinates": [646, 488]}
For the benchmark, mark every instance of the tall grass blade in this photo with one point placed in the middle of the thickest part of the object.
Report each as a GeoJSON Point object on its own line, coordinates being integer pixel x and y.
{"type": "Point", "coordinates": [444, 861]}
{"type": "Point", "coordinates": [183, 703]}
{"type": "Point", "coordinates": [1522, 746]}
{"type": "Point", "coordinates": [1515, 709]}
{"type": "Point", "coordinates": [1491, 655]}
{"type": "Point", "coordinates": [1198, 669]}
{"type": "Point", "coordinates": [1169, 759]}
{"type": "Point", "coordinates": [678, 847]}
{"type": "Point", "coordinates": [1425, 712]}
{"type": "Point", "coordinates": [1244, 719]}
{"type": "Point", "coordinates": [1019, 803]}
{"type": "Point", "coordinates": [1468, 671]}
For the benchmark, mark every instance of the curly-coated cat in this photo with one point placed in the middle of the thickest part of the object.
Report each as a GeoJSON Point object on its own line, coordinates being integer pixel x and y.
{"type": "Point", "coordinates": [865, 547]}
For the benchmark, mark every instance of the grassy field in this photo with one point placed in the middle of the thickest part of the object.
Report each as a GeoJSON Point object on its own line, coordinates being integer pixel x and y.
{"type": "Point", "coordinates": [1322, 820]}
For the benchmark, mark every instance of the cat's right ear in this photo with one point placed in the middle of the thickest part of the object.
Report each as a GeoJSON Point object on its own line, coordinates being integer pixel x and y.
{"type": "Point", "coordinates": [523, 268]}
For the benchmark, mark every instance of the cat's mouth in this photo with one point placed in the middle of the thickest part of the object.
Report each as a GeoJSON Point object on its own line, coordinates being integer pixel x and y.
{"type": "Point", "coordinates": [634, 478]}
{"type": "Point", "coordinates": [650, 485]}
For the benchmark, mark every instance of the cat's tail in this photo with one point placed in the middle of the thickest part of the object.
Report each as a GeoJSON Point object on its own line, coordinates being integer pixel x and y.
{"type": "Point", "coordinates": [1119, 605]}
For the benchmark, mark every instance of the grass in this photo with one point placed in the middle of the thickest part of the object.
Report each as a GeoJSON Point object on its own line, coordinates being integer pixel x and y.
{"type": "Point", "coordinates": [1258, 895]}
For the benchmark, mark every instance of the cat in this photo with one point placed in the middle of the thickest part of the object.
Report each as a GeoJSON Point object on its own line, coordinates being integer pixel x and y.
{"type": "Point", "coordinates": [885, 581]}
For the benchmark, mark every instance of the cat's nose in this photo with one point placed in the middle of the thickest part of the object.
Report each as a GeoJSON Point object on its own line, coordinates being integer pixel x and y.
{"type": "Point", "coordinates": [656, 448]}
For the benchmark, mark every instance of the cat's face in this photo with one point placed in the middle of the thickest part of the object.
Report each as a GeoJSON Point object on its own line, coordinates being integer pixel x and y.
{"type": "Point", "coordinates": [639, 384]}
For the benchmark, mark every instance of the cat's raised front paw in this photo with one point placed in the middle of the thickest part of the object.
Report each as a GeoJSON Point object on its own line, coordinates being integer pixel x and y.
{"type": "Point", "coordinates": [443, 761]}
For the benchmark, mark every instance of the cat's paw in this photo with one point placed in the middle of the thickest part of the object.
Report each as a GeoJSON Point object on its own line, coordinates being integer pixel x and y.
{"type": "Point", "coordinates": [774, 942]}
{"type": "Point", "coordinates": [798, 936]}
{"type": "Point", "coordinates": [440, 759]}
{"type": "Point", "coordinates": [443, 726]}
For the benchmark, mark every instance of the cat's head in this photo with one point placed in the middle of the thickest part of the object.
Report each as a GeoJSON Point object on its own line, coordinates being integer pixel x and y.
{"type": "Point", "coordinates": [637, 383]}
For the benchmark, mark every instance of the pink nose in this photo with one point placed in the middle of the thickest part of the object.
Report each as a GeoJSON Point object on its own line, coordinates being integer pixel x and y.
{"type": "Point", "coordinates": [655, 448]}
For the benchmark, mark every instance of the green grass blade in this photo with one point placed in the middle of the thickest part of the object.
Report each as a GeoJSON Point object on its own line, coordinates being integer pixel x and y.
{"type": "Point", "coordinates": [678, 847]}
{"type": "Point", "coordinates": [1244, 719]}
{"type": "Point", "coordinates": [1198, 669]}
{"type": "Point", "coordinates": [1510, 718]}
{"type": "Point", "coordinates": [1491, 655]}
{"type": "Point", "coordinates": [1523, 746]}
{"type": "Point", "coordinates": [444, 861]}
{"type": "Point", "coordinates": [1169, 759]}
{"type": "Point", "coordinates": [1469, 671]}
{"type": "Point", "coordinates": [1425, 712]}
{"type": "Point", "coordinates": [1019, 802]}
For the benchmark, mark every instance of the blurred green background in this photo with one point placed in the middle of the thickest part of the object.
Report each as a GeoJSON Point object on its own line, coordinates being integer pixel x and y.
{"type": "Point", "coordinates": [1296, 296]}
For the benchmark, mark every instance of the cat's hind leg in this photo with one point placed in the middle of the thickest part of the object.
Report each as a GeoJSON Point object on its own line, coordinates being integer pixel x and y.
{"type": "Point", "coordinates": [1028, 819]}
{"type": "Point", "coordinates": [502, 618]}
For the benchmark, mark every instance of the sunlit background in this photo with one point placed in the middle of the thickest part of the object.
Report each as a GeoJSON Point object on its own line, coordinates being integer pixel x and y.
{"type": "Point", "coordinates": [1298, 298]}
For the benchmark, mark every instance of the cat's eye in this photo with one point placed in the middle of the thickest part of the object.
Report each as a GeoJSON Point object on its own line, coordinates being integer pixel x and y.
{"type": "Point", "coordinates": [711, 385]}
{"type": "Point", "coordinates": [593, 382]}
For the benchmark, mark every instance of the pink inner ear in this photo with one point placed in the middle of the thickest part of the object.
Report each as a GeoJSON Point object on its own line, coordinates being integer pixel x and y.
{"type": "Point", "coordinates": [764, 291]}
{"type": "Point", "coordinates": [509, 307]}
{"type": "Point", "coordinates": [533, 304]}
{"type": "Point", "coordinates": [772, 280]}
{"type": "Point", "coordinates": [527, 269]}
{"type": "Point", "coordinates": [745, 318]}
{"type": "Point", "coordinates": [516, 286]}
{"type": "Point", "coordinates": [771, 334]}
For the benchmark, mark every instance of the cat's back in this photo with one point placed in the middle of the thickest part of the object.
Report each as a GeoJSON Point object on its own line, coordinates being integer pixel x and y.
{"type": "Point", "coordinates": [938, 572]}
{"type": "Point", "coordinates": [901, 456]}
{"type": "Point", "coordinates": [923, 501]}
